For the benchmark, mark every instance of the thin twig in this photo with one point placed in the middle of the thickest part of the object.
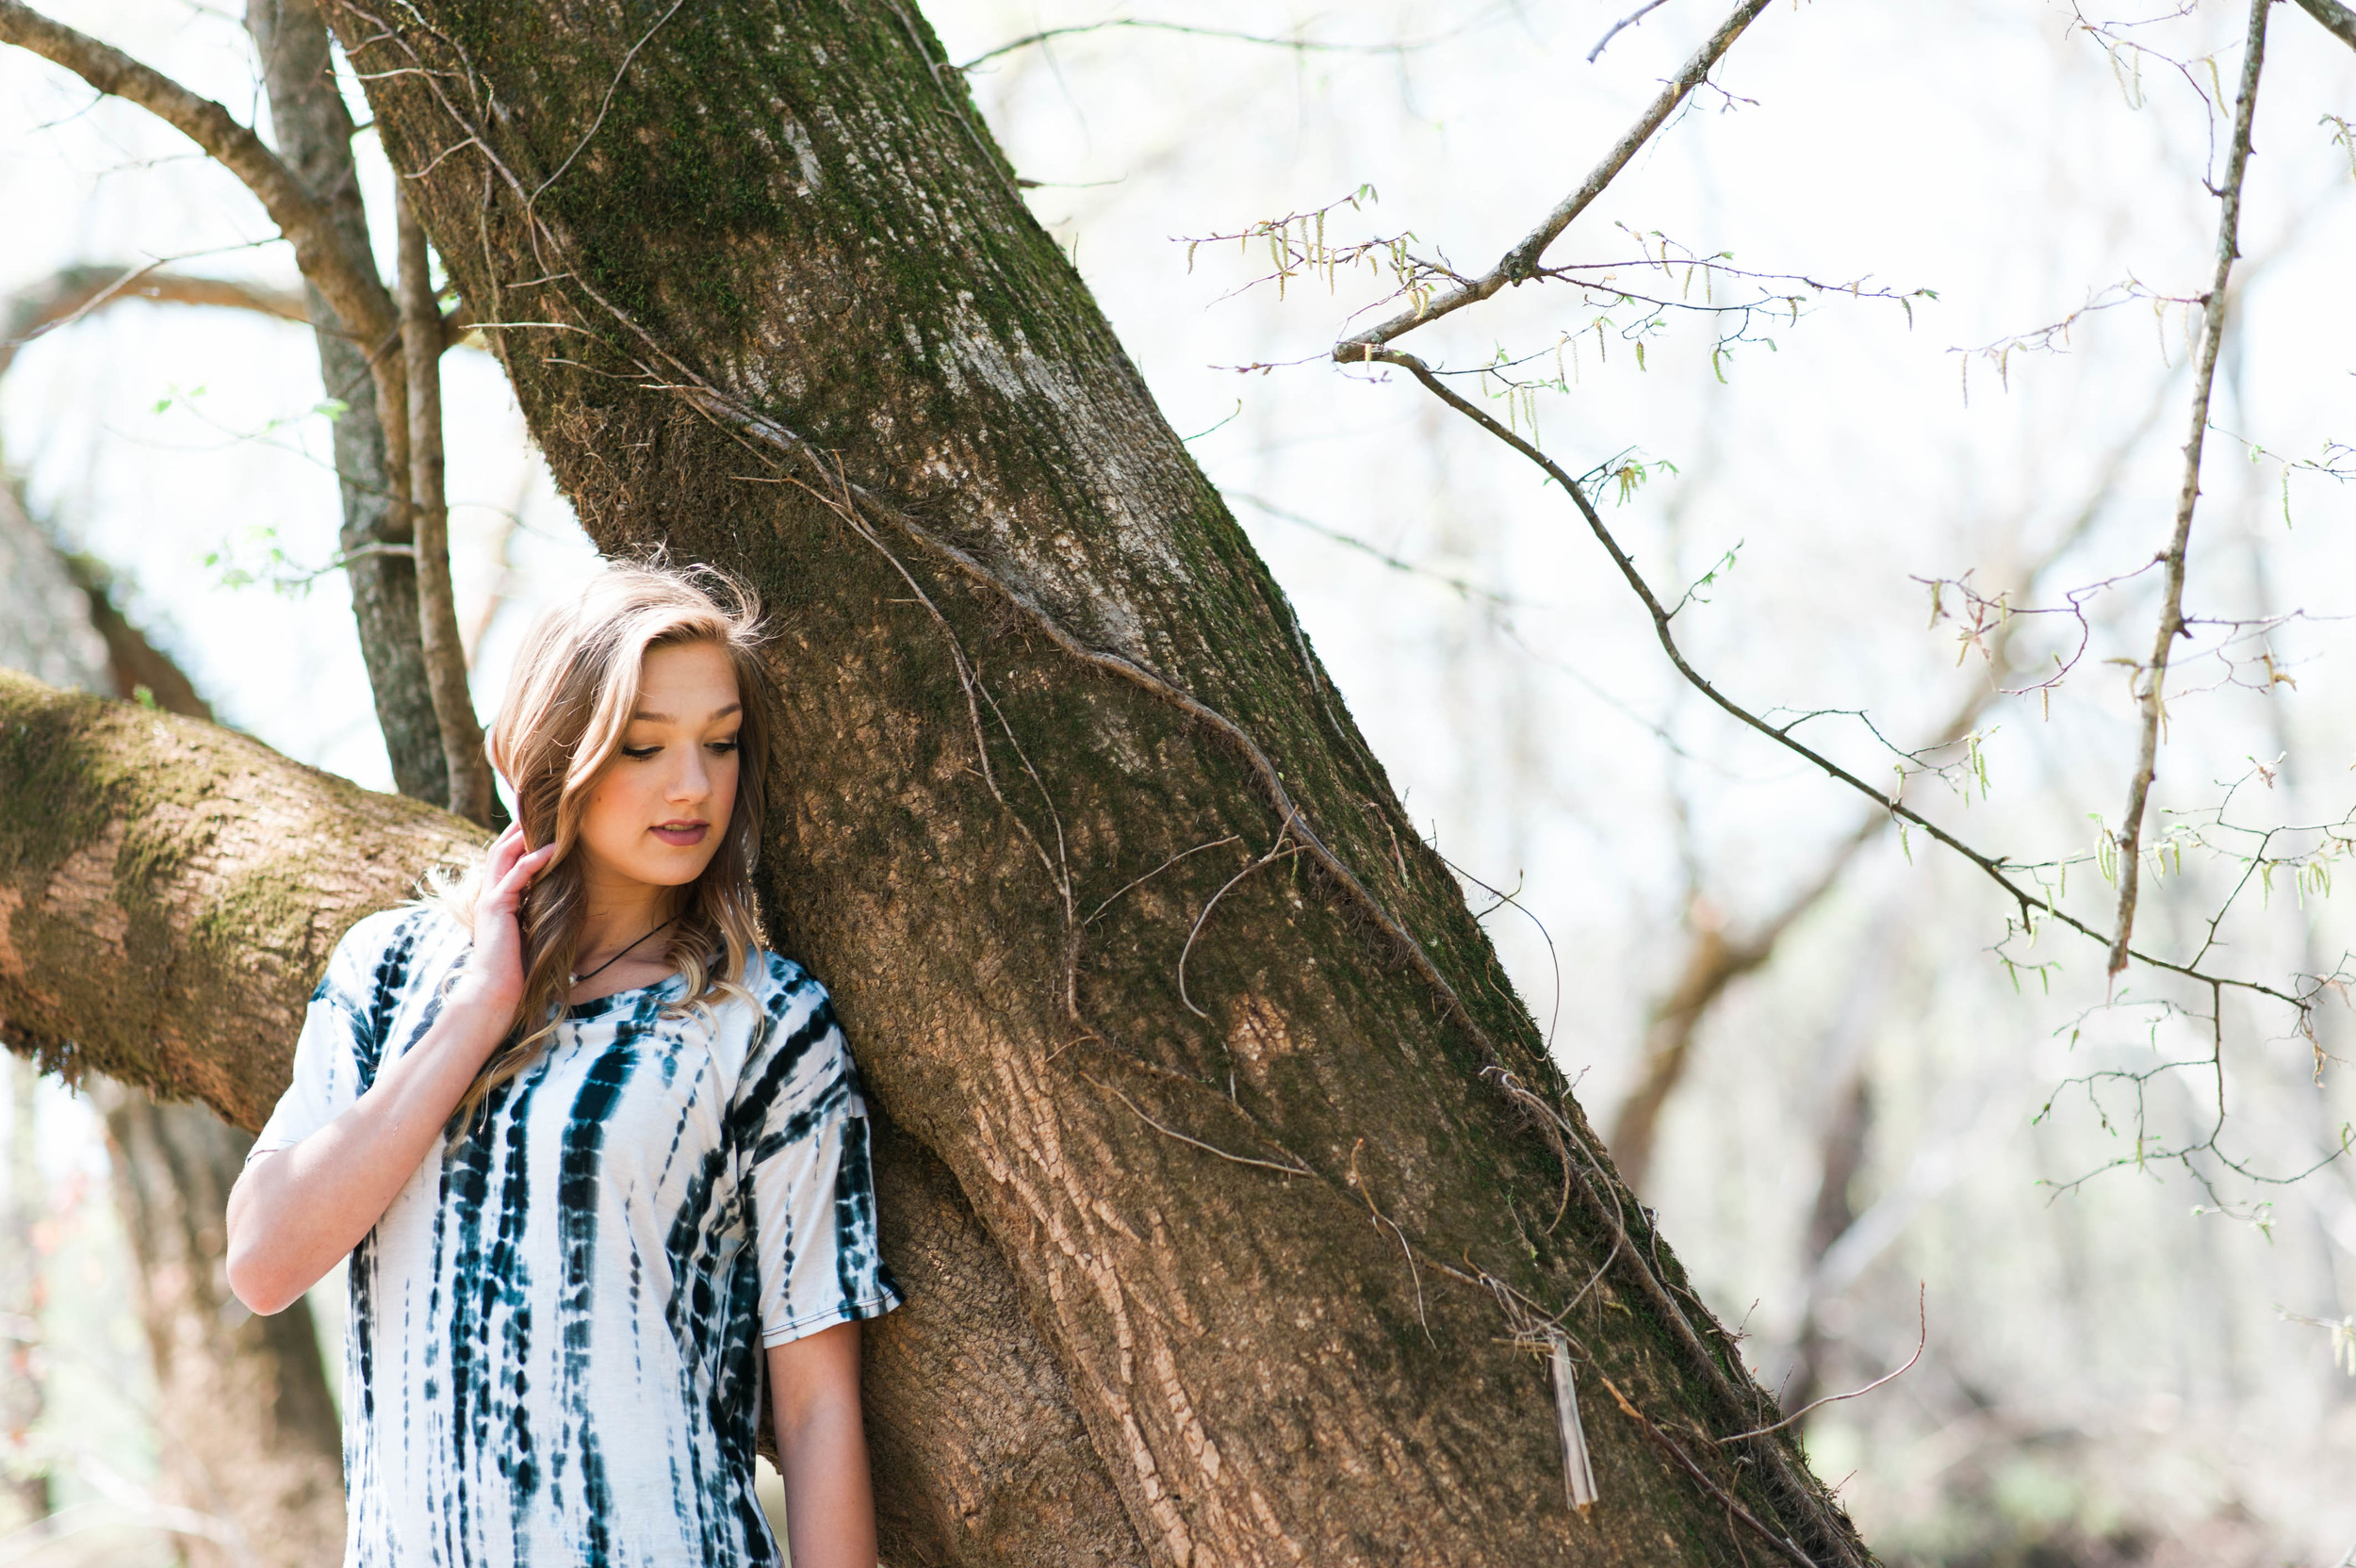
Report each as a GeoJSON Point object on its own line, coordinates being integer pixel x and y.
{"type": "Point", "coordinates": [603, 103]}
{"type": "Point", "coordinates": [1138, 881]}
{"type": "Point", "coordinates": [1631, 20]}
{"type": "Point", "coordinates": [2032, 902]}
{"type": "Point", "coordinates": [1922, 1339]}
{"type": "Point", "coordinates": [1274, 849]}
{"type": "Point", "coordinates": [1685, 1462]}
{"type": "Point", "coordinates": [1518, 263]}
{"type": "Point", "coordinates": [1299, 46]}
{"type": "Point", "coordinates": [2152, 698]}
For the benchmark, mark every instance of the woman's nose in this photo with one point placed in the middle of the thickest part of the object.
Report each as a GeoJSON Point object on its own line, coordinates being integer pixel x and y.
{"type": "Point", "coordinates": [694, 779]}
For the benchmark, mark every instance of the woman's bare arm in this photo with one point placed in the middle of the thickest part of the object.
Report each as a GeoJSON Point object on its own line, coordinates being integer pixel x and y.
{"type": "Point", "coordinates": [296, 1213]}
{"type": "Point", "coordinates": [822, 1449]}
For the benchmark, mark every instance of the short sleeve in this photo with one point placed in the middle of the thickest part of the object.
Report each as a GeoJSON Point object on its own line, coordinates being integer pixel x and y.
{"type": "Point", "coordinates": [809, 1179]}
{"type": "Point", "coordinates": [336, 1051]}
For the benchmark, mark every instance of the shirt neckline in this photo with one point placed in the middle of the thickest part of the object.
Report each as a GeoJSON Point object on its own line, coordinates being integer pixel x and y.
{"type": "Point", "coordinates": [600, 1005]}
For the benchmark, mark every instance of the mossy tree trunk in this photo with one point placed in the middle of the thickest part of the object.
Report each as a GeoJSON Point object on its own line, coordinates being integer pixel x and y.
{"type": "Point", "coordinates": [1130, 929]}
{"type": "Point", "coordinates": [1235, 1187]}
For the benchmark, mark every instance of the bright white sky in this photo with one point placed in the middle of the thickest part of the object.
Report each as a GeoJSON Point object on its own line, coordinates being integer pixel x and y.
{"type": "Point", "coordinates": [1989, 153]}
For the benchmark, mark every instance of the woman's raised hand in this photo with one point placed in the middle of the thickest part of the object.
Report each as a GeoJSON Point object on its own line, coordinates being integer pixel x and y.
{"type": "Point", "coordinates": [494, 977]}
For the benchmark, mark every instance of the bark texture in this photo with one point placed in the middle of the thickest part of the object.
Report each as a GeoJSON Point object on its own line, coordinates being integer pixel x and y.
{"type": "Point", "coordinates": [313, 131]}
{"type": "Point", "coordinates": [169, 892]}
{"type": "Point", "coordinates": [246, 1430]}
{"type": "Point", "coordinates": [1128, 928]}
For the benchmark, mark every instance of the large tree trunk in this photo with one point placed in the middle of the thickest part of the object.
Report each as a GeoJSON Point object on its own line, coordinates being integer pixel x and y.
{"type": "Point", "coordinates": [1246, 1134]}
{"type": "Point", "coordinates": [1198, 1059]}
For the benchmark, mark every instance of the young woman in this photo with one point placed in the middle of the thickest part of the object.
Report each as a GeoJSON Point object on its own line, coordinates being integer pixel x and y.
{"type": "Point", "coordinates": [598, 1160]}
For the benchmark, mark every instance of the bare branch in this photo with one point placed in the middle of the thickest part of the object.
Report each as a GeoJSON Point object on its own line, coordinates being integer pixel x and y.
{"type": "Point", "coordinates": [1715, 960]}
{"type": "Point", "coordinates": [2336, 18]}
{"type": "Point", "coordinates": [2032, 903]}
{"type": "Point", "coordinates": [1631, 20]}
{"type": "Point", "coordinates": [71, 293]}
{"type": "Point", "coordinates": [1522, 260]}
{"type": "Point", "coordinates": [2153, 697]}
{"type": "Point", "coordinates": [437, 611]}
{"type": "Point", "coordinates": [1299, 46]}
{"type": "Point", "coordinates": [346, 277]}
{"type": "Point", "coordinates": [1923, 1340]}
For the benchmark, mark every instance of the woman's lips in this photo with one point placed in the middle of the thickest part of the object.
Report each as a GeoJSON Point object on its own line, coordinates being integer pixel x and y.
{"type": "Point", "coordinates": [682, 835]}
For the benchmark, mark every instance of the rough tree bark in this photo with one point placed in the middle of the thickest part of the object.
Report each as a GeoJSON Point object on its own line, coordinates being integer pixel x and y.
{"type": "Point", "coordinates": [1233, 1182]}
{"type": "Point", "coordinates": [1240, 1129]}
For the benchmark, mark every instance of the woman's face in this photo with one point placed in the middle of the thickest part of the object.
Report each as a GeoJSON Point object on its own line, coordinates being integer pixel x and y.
{"type": "Point", "coordinates": [660, 811]}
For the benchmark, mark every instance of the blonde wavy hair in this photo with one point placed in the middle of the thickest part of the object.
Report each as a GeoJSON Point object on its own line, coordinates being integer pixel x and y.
{"type": "Point", "coordinates": [569, 699]}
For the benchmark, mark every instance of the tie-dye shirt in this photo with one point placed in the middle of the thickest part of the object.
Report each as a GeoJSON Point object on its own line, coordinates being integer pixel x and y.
{"type": "Point", "coordinates": [554, 1351]}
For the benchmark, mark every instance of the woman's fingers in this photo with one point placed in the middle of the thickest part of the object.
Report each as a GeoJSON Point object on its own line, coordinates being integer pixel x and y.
{"type": "Point", "coordinates": [519, 876]}
{"type": "Point", "coordinates": [503, 851]}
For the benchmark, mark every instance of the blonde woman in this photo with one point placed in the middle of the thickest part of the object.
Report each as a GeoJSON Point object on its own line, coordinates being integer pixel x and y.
{"type": "Point", "coordinates": [599, 1160]}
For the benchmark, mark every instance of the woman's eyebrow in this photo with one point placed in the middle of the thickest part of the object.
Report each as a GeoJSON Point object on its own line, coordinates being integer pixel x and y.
{"type": "Point", "coordinates": [664, 718]}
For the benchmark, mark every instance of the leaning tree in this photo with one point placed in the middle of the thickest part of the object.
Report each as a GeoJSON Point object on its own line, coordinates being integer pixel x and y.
{"type": "Point", "coordinates": [1247, 1217]}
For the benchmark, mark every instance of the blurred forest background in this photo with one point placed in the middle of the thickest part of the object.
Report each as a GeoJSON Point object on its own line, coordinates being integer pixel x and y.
{"type": "Point", "coordinates": [1872, 1111]}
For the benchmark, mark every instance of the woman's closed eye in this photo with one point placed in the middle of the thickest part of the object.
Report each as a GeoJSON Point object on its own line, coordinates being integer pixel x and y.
{"type": "Point", "coordinates": [718, 748]}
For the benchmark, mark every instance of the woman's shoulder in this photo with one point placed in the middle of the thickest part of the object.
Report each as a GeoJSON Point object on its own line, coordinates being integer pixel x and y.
{"type": "Point", "coordinates": [389, 941]}
{"type": "Point", "coordinates": [797, 1012]}
{"type": "Point", "coordinates": [798, 1057]}
{"type": "Point", "coordinates": [774, 979]}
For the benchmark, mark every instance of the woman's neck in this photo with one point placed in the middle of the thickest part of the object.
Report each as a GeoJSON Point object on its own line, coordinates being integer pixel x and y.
{"type": "Point", "coordinates": [619, 912]}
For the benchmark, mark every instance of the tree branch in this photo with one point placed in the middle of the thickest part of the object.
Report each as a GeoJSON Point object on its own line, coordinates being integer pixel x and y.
{"type": "Point", "coordinates": [2153, 697]}
{"type": "Point", "coordinates": [2032, 902]}
{"type": "Point", "coordinates": [1517, 264]}
{"type": "Point", "coordinates": [1714, 960]}
{"type": "Point", "coordinates": [168, 901]}
{"type": "Point", "coordinates": [348, 279]}
{"type": "Point", "coordinates": [2337, 19]}
{"type": "Point", "coordinates": [469, 770]}
{"type": "Point", "coordinates": [71, 293]}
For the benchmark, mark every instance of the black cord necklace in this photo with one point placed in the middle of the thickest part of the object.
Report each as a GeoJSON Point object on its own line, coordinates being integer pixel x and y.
{"type": "Point", "coordinates": [578, 979]}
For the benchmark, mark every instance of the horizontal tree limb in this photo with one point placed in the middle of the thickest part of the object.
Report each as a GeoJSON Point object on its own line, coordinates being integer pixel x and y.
{"type": "Point", "coordinates": [169, 892]}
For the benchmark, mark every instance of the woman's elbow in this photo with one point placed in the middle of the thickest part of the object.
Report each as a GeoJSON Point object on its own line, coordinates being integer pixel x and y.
{"type": "Point", "coordinates": [257, 1274]}
{"type": "Point", "coordinates": [258, 1280]}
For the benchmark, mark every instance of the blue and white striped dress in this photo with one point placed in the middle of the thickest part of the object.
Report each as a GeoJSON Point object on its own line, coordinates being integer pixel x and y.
{"type": "Point", "coordinates": [554, 1352]}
